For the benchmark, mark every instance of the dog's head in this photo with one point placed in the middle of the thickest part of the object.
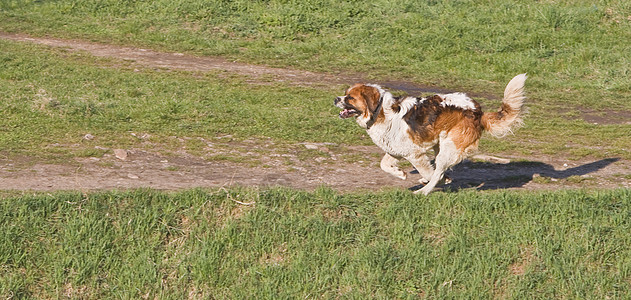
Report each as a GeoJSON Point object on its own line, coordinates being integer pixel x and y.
{"type": "Point", "coordinates": [360, 101]}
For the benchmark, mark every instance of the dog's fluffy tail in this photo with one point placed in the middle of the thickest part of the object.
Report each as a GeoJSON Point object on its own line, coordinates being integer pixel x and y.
{"type": "Point", "coordinates": [508, 117]}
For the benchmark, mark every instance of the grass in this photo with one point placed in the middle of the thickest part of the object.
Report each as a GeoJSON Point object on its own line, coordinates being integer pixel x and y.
{"type": "Point", "coordinates": [321, 244]}
{"type": "Point", "coordinates": [288, 243]}
{"type": "Point", "coordinates": [296, 244]}
{"type": "Point", "coordinates": [455, 44]}
{"type": "Point", "coordinates": [53, 98]}
{"type": "Point", "coordinates": [449, 43]}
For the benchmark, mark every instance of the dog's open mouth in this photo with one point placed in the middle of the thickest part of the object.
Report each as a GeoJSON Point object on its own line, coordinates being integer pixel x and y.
{"type": "Point", "coordinates": [348, 112]}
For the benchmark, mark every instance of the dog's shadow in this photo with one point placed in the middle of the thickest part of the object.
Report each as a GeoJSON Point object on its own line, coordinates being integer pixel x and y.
{"type": "Point", "coordinates": [488, 176]}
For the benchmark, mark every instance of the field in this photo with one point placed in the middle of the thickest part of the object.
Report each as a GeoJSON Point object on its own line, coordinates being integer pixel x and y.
{"type": "Point", "coordinates": [221, 102]}
{"type": "Point", "coordinates": [321, 244]}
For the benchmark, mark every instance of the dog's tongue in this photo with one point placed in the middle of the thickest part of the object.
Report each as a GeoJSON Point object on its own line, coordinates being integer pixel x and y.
{"type": "Point", "coordinates": [345, 113]}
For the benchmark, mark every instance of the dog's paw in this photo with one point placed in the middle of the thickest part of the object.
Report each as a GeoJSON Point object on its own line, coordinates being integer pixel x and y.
{"type": "Point", "coordinates": [401, 175]}
{"type": "Point", "coordinates": [423, 181]}
{"type": "Point", "coordinates": [425, 191]}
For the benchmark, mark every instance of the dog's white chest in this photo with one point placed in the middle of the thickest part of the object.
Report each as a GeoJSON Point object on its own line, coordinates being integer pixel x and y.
{"type": "Point", "coordinates": [393, 138]}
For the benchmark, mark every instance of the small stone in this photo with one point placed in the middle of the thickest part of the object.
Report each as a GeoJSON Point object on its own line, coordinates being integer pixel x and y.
{"type": "Point", "coordinates": [120, 154]}
{"type": "Point", "coordinates": [132, 176]}
{"type": "Point", "coordinates": [311, 146]}
{"type": "Point", "coordinates": [88, 137]}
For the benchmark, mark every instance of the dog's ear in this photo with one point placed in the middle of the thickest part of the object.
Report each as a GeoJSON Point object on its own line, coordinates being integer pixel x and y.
{"type": "Point", "coordinates": [371, 95]}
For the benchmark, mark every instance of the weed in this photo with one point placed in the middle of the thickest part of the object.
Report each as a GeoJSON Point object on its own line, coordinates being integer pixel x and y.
{"type": "Point", "coordinates": [172, 168]}
{"type": "Point", "coordinates": [577, 179]}
{"type": "Point", "coordinates": [541, 179]}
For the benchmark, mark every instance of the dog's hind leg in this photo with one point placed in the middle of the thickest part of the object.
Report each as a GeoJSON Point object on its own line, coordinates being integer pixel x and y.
{"type": "Point", "coordinates": [448, 156]}
{"type": "Point", "coordinates": [446, 179]}
{"type": "Point", "coordinates": [423, 165]}
{"type": "Point", "coordinates": [389, 164]}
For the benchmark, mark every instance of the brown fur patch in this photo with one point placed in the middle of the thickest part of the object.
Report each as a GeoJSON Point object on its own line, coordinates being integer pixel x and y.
{"type": "Point", "coordinates": [396, 107]}
{"type": "Point", "coordinates": [422, 120]}
{"type": "Point", "coordinates": [428, 119]}
{"type": "Point", "coordinates": [467, 132]}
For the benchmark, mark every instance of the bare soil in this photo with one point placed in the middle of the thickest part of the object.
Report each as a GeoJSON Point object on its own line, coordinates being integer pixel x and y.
{"type": "Point", "coordinates": [345, 168]}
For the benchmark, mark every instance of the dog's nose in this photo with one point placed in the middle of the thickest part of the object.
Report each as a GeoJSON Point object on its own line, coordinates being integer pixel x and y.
{"type": "Point", "coordinates": [337, 100]}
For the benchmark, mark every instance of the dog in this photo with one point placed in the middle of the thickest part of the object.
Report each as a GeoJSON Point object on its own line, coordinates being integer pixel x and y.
{"type": "Point", "coordinates": [409, 127]}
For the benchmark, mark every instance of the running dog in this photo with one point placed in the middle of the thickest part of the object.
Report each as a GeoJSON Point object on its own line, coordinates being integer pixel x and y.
{"type": "Point", "coordinates": [409, 127]}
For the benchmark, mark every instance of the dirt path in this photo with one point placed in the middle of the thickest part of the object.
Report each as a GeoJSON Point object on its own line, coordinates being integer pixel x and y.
{"type": "Point", "coordinates": [152, 169]}
{"type": "Point", "coordinates": [179, 61]}
{"type": "Point", "coordinates": [185, 62]}
{"type": "Point", "coordinates": [333, 168]}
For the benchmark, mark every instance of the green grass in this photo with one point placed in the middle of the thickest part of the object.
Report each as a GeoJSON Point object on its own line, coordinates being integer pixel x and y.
{"type": "Point", "coordinates": [296, 244]}
{"type": "Point", "coordinates": [575, 50]}
{"type": "Point", "coordinates": [574, 53]}
{"type": "Point", "coordinates": [51, 98]}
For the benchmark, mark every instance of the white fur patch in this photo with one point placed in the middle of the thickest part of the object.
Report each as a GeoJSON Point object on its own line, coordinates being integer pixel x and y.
{"type": "Point", "coordinates": [407, 103]}
{"type": "Point", "coordinates": [388, 101]}
{"type": "Point", "coordinates": [378, 87]}
{"type": "Point", "coordinates": [460, 100]}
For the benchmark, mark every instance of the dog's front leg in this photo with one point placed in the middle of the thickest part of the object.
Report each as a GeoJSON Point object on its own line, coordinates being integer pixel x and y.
{"type": "Point", "coordinates": [389, 164]}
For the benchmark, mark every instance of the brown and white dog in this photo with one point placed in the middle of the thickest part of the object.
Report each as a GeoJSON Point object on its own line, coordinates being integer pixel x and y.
{"type": "Point", "coordinates": [408, 127]}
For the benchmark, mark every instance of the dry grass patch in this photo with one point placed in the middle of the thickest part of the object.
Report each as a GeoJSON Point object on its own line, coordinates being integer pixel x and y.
{"type": "Point", "coordinates": [526, 258]}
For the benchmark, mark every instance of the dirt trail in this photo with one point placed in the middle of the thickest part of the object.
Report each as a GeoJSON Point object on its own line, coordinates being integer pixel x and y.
{"type": "Point", "coordinates": [333, 168]}
{"type": "Point", "coordinates": [152, 169]}
{"type": "Point", "coordinates": [185, 62]}
{"type": "Point", "coordinates": [179, 61]}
